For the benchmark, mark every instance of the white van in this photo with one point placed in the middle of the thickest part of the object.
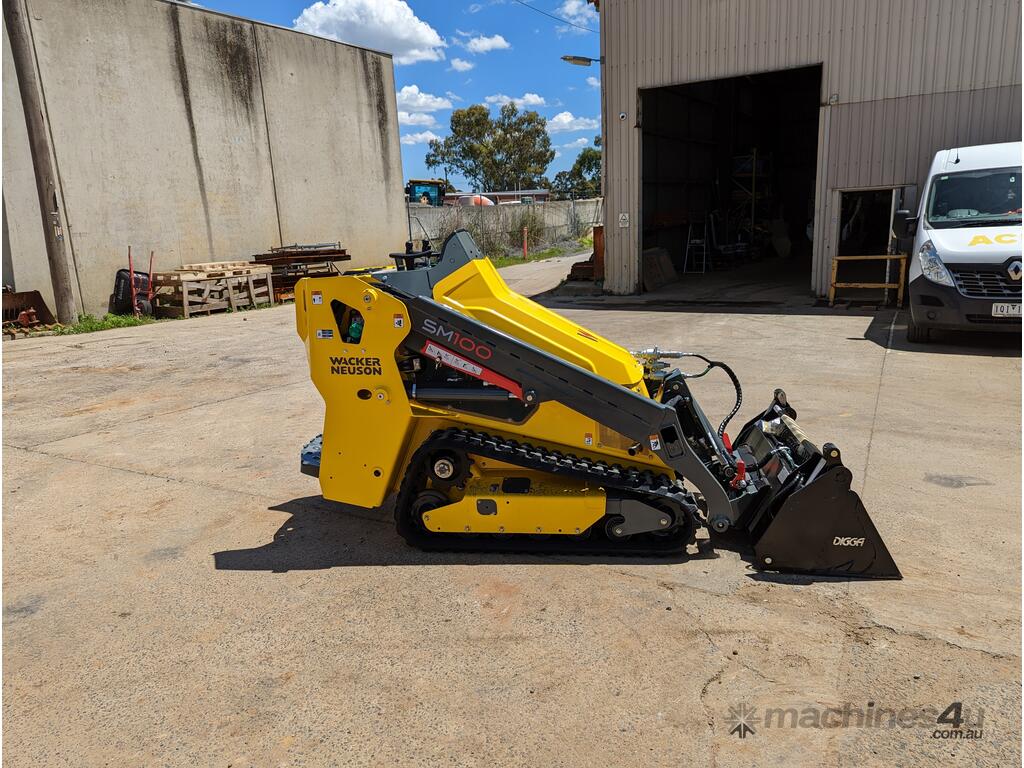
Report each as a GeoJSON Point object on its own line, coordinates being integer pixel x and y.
{"type": "Point", "coordinates": [965, 265]}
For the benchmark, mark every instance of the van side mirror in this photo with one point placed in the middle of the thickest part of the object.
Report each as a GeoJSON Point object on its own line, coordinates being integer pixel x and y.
{"type": "Point", "coordinates": [903, 225]}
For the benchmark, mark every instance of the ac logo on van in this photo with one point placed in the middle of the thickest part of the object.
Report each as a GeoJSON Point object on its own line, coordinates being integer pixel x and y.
{"type": "Point", "coordinates": [1004, 238]}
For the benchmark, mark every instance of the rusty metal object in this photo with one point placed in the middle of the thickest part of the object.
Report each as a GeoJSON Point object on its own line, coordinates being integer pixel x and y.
{"type": "Point", "coordinates": [291, 263]}
{"type": "Point", "coordinates": [592, 268]}
{"type": "Point", "coordinates": [27, 318]}
{"type": "Point", "coordinates": [26, 308]}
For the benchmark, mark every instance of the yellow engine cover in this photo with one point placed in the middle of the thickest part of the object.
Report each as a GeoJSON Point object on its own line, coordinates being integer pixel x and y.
{"type": "Point", "coordinates": [478, 291]}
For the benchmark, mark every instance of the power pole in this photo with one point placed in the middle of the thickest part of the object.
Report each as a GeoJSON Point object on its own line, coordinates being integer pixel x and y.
{"type": "Point", "coordinates": [16, 21]}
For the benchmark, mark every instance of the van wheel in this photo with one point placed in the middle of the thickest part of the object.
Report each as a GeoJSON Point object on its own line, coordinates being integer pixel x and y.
{"type": "Point", "coordinates": [918, 335]}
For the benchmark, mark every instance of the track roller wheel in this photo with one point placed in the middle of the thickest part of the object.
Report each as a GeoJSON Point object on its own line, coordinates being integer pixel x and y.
{"type": "Point", "coordinates": [424, 503]}
{"type": "Point", "coordinates": [613, 528]}
{"type": "Point", "coordinates": [446, 468]}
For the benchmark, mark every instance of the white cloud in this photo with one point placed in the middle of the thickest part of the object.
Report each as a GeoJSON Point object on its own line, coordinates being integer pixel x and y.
{"type": "Point", "coordinates": [481, 44]}
{"type": "Point", "coordinates": [594, 82]}
{"type": "Point", "coordinates": [416, 118]}
{"type": "Point", "coordinates": [557, 154]}
{"type": "Point", "coordinates": [578, 12]}
{"type": "Point", "coordinates": [577, 144]}
{"type": "Point", "coordinates": [420, 138]}
{"type": "Point", "coordinates": [412, 99]}
{"type": "Point", "coordinates": [387, 25]}
{"type": "Point", "coordinates": [526, 100]}
{"type": "Point", "coordinates": [565, 122]}
{"type": "Point", "coordinates": [461, 65]}
{"type": "Point", "coordinates": [475, 8]}
{"type": "Point", "coordinates": [453, 96]}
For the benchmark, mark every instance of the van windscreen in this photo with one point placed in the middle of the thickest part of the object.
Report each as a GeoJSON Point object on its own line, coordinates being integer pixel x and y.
{"type": "Point", "coordinates": [975, 198]}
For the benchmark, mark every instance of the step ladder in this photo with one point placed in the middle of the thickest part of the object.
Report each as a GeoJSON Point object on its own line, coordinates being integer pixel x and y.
{"type": "Point", "coordinates": [695, 260]}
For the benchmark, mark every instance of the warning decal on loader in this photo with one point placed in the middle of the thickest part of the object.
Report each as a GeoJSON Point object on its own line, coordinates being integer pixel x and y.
{"type": "Point", "coordinates": [452, 360]}
{"type": "Point", "coordinates": [459, 363]}
{"type": "Point", "coordinates": [655, 442]}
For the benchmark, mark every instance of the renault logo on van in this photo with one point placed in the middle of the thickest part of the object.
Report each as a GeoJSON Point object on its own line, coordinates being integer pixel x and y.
{"type": "Point", "coordinates": [1015, 270]}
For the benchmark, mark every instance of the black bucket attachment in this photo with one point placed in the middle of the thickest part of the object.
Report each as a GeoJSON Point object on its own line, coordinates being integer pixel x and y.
{"type": "Point", "coordinates": [804, 518]}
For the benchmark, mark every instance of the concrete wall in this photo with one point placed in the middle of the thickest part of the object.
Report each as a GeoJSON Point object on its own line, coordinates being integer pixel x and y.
{"type": "Point", "coordinates": [562, 218]}
{"type": "Point", "coordinates": [202, 137]}
{"type": "Point", "coordinates": [892, 70]}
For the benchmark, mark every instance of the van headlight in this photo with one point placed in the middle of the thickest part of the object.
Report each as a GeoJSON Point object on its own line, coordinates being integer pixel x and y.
{"type": "Point", "coordinates": [932, 266]}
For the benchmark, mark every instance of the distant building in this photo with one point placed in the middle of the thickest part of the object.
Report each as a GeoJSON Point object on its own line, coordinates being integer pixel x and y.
{"type": "Point", "coordinates": [509, 196]}
{"type": "Point", "coordinates": [791, 127]}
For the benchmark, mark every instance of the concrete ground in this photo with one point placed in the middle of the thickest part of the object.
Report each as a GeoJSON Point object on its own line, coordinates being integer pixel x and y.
{"type": "Point", "coordinates": [176, 593]}
{"type": "Point", "coordinates": [536, 277]}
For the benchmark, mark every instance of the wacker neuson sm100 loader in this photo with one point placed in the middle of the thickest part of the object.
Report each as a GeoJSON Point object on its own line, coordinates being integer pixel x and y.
{"type": "Point", "coordinates": [500, 425]}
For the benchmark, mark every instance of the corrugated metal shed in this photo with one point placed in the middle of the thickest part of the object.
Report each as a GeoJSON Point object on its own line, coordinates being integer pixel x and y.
{"type": "Point", "coordinates": [905, 78]}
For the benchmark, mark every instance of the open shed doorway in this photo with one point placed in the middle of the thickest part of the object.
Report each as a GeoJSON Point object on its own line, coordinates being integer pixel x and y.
{"type": "Point", "coordinates": [729, 178]}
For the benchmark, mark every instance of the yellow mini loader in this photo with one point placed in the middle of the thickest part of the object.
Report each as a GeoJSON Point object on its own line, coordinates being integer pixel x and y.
{"type": "Point", "coordinates": [497, 424]}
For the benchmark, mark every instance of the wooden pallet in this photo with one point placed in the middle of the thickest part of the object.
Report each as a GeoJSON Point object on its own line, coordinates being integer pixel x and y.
{"type": "Point", "coordinates": [219, 269]}
{"type": "Point", "coordinates": [179, 294]}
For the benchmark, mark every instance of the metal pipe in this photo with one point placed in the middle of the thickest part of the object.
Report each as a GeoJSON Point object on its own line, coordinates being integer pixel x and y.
{"type": "Point", "coordinates": [16, 19]}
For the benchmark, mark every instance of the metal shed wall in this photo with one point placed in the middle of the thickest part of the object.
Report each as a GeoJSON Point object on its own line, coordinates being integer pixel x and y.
{"type": "Point", "coordinates": [906, 78]}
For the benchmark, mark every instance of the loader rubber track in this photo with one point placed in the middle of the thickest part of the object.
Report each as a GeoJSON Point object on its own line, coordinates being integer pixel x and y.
{"type": "Point", "coordinates": [656, 489]}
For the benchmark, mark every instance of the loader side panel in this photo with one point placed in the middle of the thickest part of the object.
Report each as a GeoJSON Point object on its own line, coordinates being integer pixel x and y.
{"type": "Point", "coordinates": [477, 290]}
{"type": "Point", "coordinates": [368, 418]}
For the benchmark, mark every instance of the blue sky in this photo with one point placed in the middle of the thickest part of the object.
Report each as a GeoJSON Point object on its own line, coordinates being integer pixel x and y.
{"type": "Point", "coordinates": [453, 53]}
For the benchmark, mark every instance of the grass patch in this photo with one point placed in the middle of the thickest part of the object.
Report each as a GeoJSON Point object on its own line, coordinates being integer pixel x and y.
{"type": "Point", "coordinates": [90, 323]}
{"type": "Point", "coordinates": [586, 242]}
{"type": "Point", "coordinates": [508, 261]}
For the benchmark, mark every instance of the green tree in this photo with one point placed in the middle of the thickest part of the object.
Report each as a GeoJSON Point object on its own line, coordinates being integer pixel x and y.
{"type": "Point", "coordinates": [584, 178]}
{"type": "Point", "coordinates": [511, 151]}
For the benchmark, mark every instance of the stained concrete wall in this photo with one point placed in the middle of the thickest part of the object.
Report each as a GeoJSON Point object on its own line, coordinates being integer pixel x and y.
{"type": "Point", "coordinates": [202, 137]}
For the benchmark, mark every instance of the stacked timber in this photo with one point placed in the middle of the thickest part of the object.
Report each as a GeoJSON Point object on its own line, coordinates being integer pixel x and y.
{"type": "Point", "coordinates": [212, 287]}
{"type": "Point", "coordinates": [291, 263]}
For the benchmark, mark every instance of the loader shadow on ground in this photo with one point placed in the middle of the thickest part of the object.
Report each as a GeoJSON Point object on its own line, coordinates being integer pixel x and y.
{"type": "Point", "coordinates": [322, 534]}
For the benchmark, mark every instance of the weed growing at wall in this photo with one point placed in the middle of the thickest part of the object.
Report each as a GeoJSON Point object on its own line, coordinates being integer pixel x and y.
{"type": "Point", "coordinates": [90, 323]}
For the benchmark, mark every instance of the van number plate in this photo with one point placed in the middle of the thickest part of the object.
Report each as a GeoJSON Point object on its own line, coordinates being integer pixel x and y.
{"type": "Point", "coordinates": [1004, 309]}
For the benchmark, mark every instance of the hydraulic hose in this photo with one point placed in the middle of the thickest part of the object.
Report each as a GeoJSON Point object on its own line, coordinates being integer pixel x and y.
{"type": "Point", "coordinates": [729, 372]}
